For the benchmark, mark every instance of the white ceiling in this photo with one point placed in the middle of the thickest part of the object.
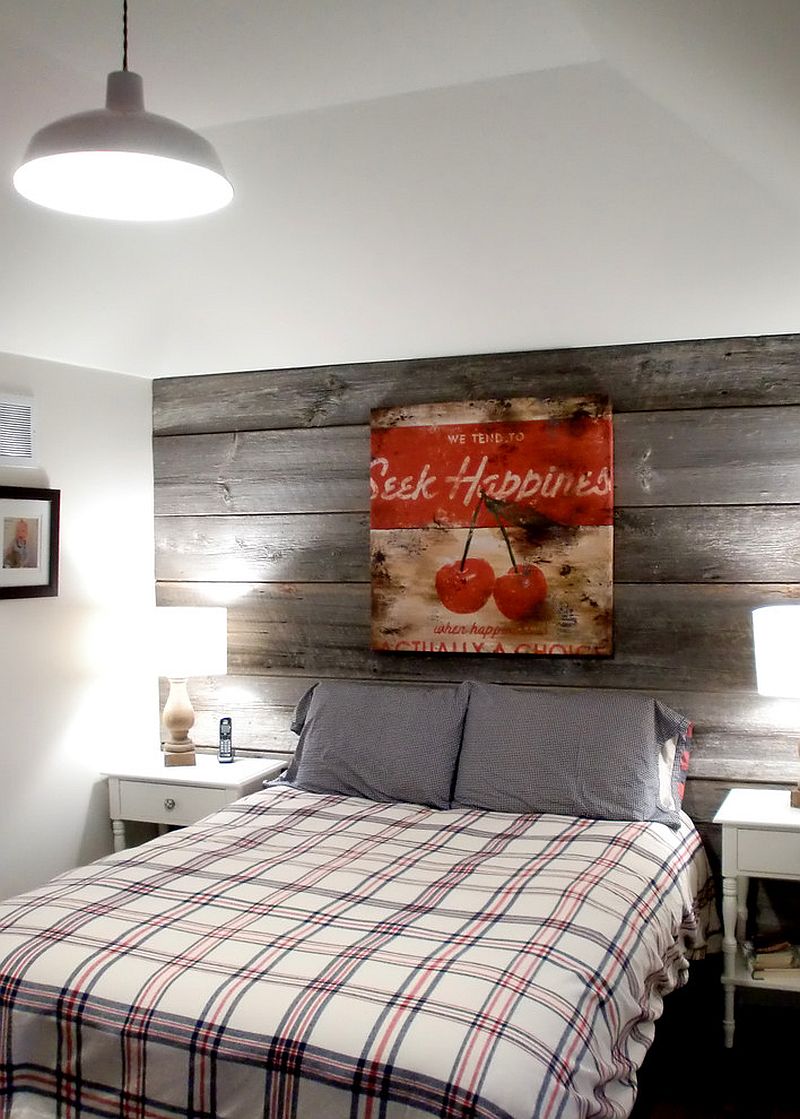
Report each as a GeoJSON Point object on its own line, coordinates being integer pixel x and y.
{"type": "Point", "coordinates": [416, 177]}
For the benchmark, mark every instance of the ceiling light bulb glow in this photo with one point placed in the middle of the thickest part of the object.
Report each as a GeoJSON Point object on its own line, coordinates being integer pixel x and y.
{"type": "Point", "coordinates": [122, 186]}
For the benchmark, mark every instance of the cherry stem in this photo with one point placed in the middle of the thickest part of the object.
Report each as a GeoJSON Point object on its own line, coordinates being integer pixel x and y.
{"type": "Point", "coordinates": [472, 524]}
{"type": "Point", "coordinates": [501, 526]}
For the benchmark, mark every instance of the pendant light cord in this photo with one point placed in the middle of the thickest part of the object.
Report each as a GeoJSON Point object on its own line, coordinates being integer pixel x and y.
{"type": "Point", "coordinates": [124, 34]}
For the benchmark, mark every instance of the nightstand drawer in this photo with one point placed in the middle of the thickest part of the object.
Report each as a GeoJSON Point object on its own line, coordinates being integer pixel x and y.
{"type": "Point", "coordinates": [168, 804]}
{"type": "Point", "coordinates": [773, 853]}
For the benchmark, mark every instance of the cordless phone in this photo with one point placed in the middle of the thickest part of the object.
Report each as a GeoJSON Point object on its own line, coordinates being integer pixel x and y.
{"type": "Point", "coordinates": [225, 753]}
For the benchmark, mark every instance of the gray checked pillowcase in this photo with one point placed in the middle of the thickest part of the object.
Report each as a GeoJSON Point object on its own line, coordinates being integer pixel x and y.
{"type": "Point", "coordinates": [385, 742]}
{"type": "Point", "coordinates": [594, 753]}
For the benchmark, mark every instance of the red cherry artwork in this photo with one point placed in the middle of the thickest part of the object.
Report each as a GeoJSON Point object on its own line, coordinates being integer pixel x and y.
{"type": "Point", "coordinates": [519, 593]}
{"type": "Point", "coordinates": [464, 587]}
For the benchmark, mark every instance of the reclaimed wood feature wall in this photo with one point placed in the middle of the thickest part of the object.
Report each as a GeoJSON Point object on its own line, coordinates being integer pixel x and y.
{"type": "Point", "coordinates": [261, 492]}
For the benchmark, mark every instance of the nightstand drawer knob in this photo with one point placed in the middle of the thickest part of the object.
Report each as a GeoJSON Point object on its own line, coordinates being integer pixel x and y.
{"type": "Point", "coordinates": [169, 804]}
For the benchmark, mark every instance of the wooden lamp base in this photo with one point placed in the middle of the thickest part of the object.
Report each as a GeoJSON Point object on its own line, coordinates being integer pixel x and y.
{"type": "Point", "coordinates": [178, 720]}
{"type": "Point", "coordinates": [183, 756]}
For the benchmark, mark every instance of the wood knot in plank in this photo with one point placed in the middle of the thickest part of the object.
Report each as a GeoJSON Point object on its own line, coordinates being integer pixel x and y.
{"type": "Point", "coordinates": [644, 471]}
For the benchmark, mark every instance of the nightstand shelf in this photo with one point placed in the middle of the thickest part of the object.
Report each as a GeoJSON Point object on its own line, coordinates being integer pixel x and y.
{"type": "Point", "coordinates": [760, 839]}
{"type": "Point", "coordinates": [745, 979]}
{"type": "Point", "coordinates": [147, 791]}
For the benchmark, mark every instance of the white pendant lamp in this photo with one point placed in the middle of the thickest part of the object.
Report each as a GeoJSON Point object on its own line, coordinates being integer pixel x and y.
{"type": "Point", "coordinates": [122, 162]}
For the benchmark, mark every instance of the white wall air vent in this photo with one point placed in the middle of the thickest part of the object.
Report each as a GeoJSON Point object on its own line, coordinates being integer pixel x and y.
{"type": "Point", "coordinates": [17, 431]}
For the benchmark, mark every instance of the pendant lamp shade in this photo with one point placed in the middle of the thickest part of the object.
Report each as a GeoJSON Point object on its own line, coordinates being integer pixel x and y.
{"type": "Point", "coordinates": [123, 163]}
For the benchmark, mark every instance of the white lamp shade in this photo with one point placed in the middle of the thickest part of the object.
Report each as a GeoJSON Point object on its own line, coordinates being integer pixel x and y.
{"type": "Point", "coordinates": [776, 638]}
{"type": "Point", "coordinates": [123, 163]}
{"type": "Point", "coordinates": [191, 641]}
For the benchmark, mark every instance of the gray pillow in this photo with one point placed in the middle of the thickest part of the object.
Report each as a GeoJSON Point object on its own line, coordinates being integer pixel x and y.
{"type": "Point", "coordinates": [602, 754]}
{"type": "Point", "coordinates": [386, 742]}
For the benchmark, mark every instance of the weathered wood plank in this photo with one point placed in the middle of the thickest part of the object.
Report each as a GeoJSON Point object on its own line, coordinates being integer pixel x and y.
{"type": "Point", "coordinates": [734, 456]}
{"type": "Point", "coordinates": [689, 544]}
{"type": "Point", "coordinates": [707, 543]}
{"type": "Point", "coordinates": [719, 717]}
{"type": "Point", "coordinates": [331, 547]}
{"type": "Point", "coordinates": [693, 637]}
{"type": "Point", "coordinates": [676, 375]}
{"type": "Point", "coordinates": [303, 471]}
{"type": "Point", "coordinates": [738, 736]}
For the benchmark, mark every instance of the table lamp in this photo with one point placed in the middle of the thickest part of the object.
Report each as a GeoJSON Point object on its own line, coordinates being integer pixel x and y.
{"type": "Point", "coordinates": [776, 638]}
{"type": "Point", "coordinates": [189, 641]}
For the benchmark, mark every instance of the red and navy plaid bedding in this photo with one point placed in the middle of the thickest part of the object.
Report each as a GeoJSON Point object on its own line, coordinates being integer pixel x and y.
{"type": "Point", "coordinates": [315, 956]}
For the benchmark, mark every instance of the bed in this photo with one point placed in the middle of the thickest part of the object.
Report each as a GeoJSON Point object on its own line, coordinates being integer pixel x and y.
{"type": "Point", "coordinates": [321, 954]}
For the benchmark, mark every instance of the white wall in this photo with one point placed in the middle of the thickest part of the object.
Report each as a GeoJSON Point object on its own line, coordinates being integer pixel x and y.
{"type": "Point", "coordinates": [560, 208]}
{"type": "Point", "coordinates": [73, 686]}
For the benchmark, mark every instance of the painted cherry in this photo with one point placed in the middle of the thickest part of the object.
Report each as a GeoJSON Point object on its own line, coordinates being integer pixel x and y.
{"type": "Point", "coordinates": [519, 593]}
{"type": "Point", "coordinates": [464, 587]}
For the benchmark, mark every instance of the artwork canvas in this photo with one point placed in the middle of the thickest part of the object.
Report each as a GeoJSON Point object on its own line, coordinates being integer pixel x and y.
{"type": "Point", "coordinates": [491, 527]}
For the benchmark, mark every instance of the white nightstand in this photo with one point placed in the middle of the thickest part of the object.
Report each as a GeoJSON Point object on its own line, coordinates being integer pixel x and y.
{"type": "Point", "coordinates": [146, 790]}
{"type": "Point", "coordinates": [760, 839]}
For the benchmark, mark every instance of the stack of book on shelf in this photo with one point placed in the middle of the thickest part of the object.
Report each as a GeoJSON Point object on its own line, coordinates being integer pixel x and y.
{"type": "Point", "coordinates": [773, 960]}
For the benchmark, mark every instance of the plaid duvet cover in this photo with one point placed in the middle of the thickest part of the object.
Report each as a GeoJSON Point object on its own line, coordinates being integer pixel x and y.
{"type": "Point", "coordinates": [302, 955]}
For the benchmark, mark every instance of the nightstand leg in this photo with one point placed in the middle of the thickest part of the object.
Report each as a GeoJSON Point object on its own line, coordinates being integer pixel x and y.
{"type": "Point", "coordinates": [730, 909]}
{"type": "Point", "coordinates": [741, 908]}
{"type": "Point", "coordinates": [118, 828]}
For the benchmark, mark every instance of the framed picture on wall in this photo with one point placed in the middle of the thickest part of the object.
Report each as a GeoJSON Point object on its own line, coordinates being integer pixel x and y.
{"type": "Point", "coordinates": [29, 529]}
{"type": "Point", "coordinates": [491, 527]}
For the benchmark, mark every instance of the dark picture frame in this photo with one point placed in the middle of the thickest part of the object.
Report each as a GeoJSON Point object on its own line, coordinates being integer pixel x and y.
{"type": "Point", "coordinates": [29, 541]}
